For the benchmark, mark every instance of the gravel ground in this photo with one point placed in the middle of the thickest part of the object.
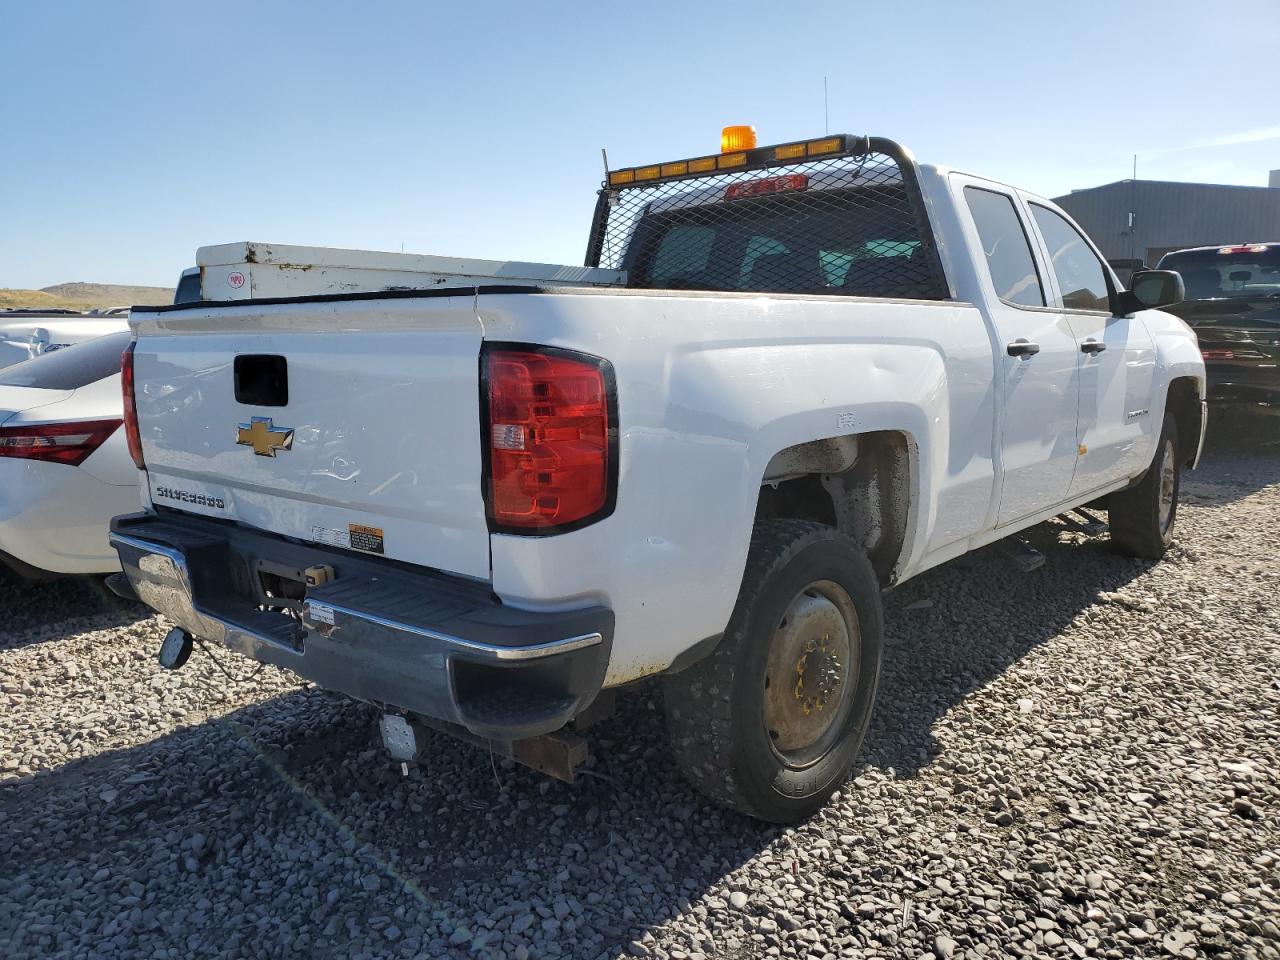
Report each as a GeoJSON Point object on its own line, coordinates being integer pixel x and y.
{"type": "Point", "coordinates": [1080, 761]}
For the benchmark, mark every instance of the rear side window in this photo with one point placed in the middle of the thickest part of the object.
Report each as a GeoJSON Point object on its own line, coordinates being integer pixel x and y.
{"type": "Point", "coordinates": [1004, 241]}
{"type": "Point", "coordinates": [1081, 276]}
{"type": "Point", "coordinates": [71, 367]}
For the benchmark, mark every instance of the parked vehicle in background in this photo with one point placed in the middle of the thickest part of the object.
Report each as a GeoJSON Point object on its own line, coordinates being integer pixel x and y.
{"type": "Point", "coordinates": [29, 333]}
{"type": "Point", "coordinates": [1233, 303]}
{"type": "Point", "coordinates": [64, 464]}
{"type": "Point", "coordinates": [787, 378]}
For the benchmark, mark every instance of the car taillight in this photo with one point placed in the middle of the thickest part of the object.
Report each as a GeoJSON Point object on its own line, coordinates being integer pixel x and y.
{"type": "Point", "coordinates": [551, 437]}
{"type": "Point", "coordinates": [69, 443]}
{"type": "Point", "coordinates": [131, 434]}
{"type": "Point", "coordinates": [1214, 353]}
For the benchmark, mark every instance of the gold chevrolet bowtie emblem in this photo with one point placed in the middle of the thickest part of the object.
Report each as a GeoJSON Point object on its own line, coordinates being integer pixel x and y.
{"type": "Point", "coordinates": [263, 437]}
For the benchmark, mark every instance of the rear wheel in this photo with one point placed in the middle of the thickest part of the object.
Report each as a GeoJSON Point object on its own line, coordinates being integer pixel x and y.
{"type": "Point", "coordinates": [1142, 518]}
{"type": "Point", "coordinates": [771, 722]}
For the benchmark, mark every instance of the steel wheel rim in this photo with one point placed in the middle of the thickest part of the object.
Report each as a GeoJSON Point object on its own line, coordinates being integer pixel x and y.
{"type": "Point", "coordinates": [1168, 480]}
{"type": "Point", "coordinates": [811, 673]}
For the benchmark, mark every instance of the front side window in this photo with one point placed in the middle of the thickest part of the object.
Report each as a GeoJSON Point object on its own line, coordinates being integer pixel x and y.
{"type": "Point", "coordinates": [1009, 259]}
{"type": "Point", "coordinates": [1081, 276]}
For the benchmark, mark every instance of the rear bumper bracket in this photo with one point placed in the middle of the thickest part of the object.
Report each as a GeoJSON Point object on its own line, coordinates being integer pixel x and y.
{"type": "Point", "coordinates": [424, 643]}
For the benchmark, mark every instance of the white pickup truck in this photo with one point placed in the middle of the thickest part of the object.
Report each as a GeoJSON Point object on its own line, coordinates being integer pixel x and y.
{"type": "Point", "coordinates": [787, 379]}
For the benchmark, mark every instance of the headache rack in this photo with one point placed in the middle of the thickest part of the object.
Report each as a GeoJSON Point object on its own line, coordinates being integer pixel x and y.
{"type": "Point", "coordinates": [838, 215]}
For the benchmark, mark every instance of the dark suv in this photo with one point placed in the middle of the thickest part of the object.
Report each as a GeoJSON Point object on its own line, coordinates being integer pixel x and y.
{"type": "Point", "coordinates": [1233, 302]}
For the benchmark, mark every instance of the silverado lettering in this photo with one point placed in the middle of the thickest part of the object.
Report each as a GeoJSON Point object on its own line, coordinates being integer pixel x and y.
{"type": "Point", "coordinates": [183, 496]}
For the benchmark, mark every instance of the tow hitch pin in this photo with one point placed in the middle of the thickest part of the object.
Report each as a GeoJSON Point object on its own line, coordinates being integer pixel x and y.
{"type": "Point", "coordinates": [175, 648]}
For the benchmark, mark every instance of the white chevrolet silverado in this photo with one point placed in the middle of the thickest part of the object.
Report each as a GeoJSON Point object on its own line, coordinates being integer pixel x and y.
{"type": "Point", "coordinates": [482, 495]}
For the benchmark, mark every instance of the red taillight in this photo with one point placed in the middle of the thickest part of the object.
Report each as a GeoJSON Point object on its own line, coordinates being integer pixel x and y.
{"type": "Point", "coordinates": [130, 407]}
{"type": "Point", "coordinates": [759, 188]}
{"type": "Point", "coordinates": [550, 439]}
{"type": "Point", "coordinates": [1214, 353]}
{"type": "Point", "coordinates": [69, 443]}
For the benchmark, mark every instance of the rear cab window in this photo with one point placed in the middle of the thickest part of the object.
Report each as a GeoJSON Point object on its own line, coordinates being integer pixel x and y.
{"type": "Point", "coordinates": [1010, 263]}
{"type": "Point", "coordinates": [839, 245]}
{"type": "Point", "coordinates": [71, 367]}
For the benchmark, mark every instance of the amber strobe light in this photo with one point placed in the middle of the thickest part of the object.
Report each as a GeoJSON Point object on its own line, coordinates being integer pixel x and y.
{"type": "Point", "coordinates": [733, 139]}
{"type": "Point", "coordinates": [549, 439]}
{"type": "Point", "coordinates": [131, 434]}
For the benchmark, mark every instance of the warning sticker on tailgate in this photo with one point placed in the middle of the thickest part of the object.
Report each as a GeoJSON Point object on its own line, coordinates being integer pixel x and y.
{"type": "Point", "coordinates": [368, 539]}
{"type": "Point", "coordinates": [357, 536]}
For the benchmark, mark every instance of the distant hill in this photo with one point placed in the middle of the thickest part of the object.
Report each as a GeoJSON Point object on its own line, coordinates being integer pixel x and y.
{"type": "Point", "coordinates": [85, 296]}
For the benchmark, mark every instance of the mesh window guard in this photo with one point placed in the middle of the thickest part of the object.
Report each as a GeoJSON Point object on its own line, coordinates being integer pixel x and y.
{"type": "Point", "coordinates": [846, 224]}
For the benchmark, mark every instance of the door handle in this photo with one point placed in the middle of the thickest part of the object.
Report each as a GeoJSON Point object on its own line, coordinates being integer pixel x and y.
{"type": "Point", "coordinates": [1023, 348]}
{"type": "Point", "coordinates": [1092, 346]}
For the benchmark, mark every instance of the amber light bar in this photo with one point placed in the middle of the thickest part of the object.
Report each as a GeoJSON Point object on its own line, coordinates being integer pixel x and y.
{"type": "Point", "coordinates": [781, 153]}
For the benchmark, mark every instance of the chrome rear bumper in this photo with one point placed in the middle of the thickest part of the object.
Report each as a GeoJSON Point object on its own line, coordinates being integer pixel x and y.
{"type": "Point", "coordinates": [417, 641]}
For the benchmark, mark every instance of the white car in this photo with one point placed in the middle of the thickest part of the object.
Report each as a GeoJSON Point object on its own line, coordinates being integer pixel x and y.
{"type": "Point", "coordinates": [30, 333]}
{"type": "Point", "coordinates": [64, 464]}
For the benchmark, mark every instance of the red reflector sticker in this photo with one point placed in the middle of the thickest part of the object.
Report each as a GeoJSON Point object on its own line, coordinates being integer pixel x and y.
{"type": "Point", "coordinates": [760, 188]}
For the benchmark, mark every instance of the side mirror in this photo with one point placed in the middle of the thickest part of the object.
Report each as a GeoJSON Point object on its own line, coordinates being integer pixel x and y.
{"type": "Point", "coordinates": [1151, 289]}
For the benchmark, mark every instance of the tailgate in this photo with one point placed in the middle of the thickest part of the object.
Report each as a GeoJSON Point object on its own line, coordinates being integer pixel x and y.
{"type": "Point", "coordinates": [372, 441]}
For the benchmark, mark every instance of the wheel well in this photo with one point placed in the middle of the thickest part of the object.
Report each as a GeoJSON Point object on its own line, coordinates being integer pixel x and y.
{"type": "Point", "coordinates": [859, 484]}
{"type": "Point", "coordinates": [1184, 404]}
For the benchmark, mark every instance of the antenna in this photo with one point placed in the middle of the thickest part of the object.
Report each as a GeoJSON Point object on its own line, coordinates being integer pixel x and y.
{"type": "Point", "coordinates": [826, 120]}
{"type": "Point", "coordinates": [604, 155]}
{"type": "Point", "coordinates": [1133, 203]}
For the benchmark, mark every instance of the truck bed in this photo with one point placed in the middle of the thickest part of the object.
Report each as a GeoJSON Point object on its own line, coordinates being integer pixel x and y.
{"type": "Point", "coordinates": [252, 270]}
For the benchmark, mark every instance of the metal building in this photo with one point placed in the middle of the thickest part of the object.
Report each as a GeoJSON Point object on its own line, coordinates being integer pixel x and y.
{"type": "Point", "coordinates": [1145, 219]}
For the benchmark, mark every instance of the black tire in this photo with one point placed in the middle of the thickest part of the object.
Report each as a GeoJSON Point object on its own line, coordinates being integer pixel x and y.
{"type": "Point", "coordinates": [717, 708]}
{"type": "Point", "coordinates": [1140, 524]}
